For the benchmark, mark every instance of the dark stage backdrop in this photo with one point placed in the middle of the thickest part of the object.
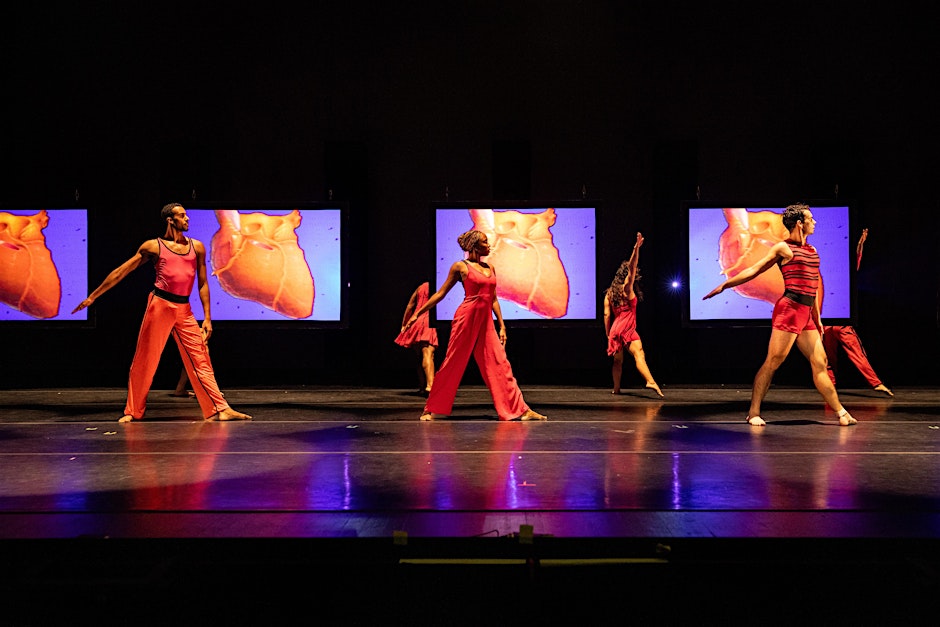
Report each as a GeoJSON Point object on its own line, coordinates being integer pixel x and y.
{"type": "Point", "coordinates": [637, 107]}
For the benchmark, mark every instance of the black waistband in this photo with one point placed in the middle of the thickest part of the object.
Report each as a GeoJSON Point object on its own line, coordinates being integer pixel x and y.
{"type": "Point", "coordinates": [173, 298]}
{"type": "Point", "coordinates": [802, 299]}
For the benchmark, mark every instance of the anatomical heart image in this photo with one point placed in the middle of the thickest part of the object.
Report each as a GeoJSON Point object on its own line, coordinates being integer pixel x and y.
{"type": "Point", "coordinates": [725, 241]}
{"type": "Point", "coordinates": [257, 257]}
{"type": "Point", "coordinates": [529, 269]}
{"type": "Point", "coordinates": [749, 236]}
{"type": "Point", "coordinates": [29, 280]}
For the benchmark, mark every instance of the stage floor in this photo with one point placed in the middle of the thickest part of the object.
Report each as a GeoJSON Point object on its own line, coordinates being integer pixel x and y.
{"type": "Point", "coordinates": [617, 480]}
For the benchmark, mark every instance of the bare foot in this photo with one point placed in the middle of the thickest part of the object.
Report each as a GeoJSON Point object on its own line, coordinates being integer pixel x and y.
{"type": "Point", "coordinates": [615, 392]}
{"type": "Point", "coordinates": [532, 415]}
{"type": "Point", "coordinates": [426, 416]}
{"type": "Point", "coordinates": [653, 386]}
{"type": "Point", "coordinates": [845, 418]}
{"type": "Point", "coordinates": [881, 387]}
{"type": "Point", "coordinates": [229, 414]}
{"type": "Point", "coordinates": [756, 421]}
{"type": "Point", "coordinates": [126, 418]}
{"type": "Point", "coordinates": [179, 393]}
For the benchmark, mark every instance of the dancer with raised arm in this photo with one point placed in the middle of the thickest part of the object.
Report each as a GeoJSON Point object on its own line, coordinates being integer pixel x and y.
{"type": "Point", "coordinates": [620, 301]}
{"type": "Point", "coordinates": [847, 337]}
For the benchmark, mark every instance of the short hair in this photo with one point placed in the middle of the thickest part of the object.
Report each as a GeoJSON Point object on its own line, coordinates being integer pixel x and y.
{"type": "Point", "coordinates": [793, 214]}
{"type": "Point", "coordinates": [469, 240]}
{"type": "Point", "coordinates": [167, 211]}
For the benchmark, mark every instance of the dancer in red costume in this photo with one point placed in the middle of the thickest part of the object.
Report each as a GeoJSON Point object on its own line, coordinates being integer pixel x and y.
{"type": "Point", "coordinates": [420, 337]}
{"type": "Point", "coordinates": [620, 301]}
{"type": "Point", "coordinates": [472, 332]}
{"type": "Point", "coordinates": [846, 336]}
{"type": "Point", "coordinates": [795, 317]}
{"type": "Point", "coordinates": [179, 260]}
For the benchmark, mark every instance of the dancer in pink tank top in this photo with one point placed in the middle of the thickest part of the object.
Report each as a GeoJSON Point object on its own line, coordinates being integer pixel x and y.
{"type": "Point", "coordinates": [179, 262]}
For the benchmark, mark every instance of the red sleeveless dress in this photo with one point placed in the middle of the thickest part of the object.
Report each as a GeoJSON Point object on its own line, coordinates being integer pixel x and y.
{"type": "Point", "coordinates": [623, 328]}
{"type": "Point", "coordinates": [420, 331]}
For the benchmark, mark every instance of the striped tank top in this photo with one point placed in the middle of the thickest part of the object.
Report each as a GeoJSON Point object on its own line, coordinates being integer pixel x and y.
{"type": "Point", "coordinates": [801, 273]}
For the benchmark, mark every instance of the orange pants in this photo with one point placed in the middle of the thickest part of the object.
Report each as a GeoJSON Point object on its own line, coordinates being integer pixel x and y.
{"type": "Point", "coordinates": [160, 320]}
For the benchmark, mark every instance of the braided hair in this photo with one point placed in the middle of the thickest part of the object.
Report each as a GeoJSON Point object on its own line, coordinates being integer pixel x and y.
{"type": "Point", "coordinates": [469, 240]}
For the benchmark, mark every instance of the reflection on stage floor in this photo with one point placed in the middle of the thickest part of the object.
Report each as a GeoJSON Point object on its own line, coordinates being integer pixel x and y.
{"type": "Point", "coordinates": [635, 478]}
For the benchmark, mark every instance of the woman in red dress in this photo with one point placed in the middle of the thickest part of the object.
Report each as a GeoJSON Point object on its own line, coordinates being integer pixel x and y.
{"type": "Point", "coordinates": [420, 337]}
{"type": "Point", "coordinates": [620, 301]}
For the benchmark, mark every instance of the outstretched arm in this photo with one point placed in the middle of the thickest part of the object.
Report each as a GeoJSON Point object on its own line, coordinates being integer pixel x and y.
{"type": "Point", "coordinates": [778, 252]}
{"type": "Point", "coordinates": [453, 276]}
{"type": "Point", "coordinates": [147, 251]}
{"type": "Point", "coordinates": [632, 263]}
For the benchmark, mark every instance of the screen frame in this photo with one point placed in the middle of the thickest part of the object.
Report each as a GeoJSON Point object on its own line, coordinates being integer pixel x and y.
{"type": "Point", "coordinates": [517, 205]}
{"type": "Point", "coordinates": [65, 304]}
{"type": "Point", "coordinates": [687, 206]}
{"type": "Point", "coordinates": [281, 322]}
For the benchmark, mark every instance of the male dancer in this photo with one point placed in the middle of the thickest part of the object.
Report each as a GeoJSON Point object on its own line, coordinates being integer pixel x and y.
{"type": "Point", "coordinates": [796, 314]}
{"type": "Point", "coordinates": [179, 260]}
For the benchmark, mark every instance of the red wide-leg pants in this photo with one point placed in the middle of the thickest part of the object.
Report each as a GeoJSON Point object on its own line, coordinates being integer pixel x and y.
{"type": "Point", "coordinates": [160, 320]}
{"type": "Point", "coordinates": [849, 340]}
{"type": "Point", "coordinates": [473, 333]}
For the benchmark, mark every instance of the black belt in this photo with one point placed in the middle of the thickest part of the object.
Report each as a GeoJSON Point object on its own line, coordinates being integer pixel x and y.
{"type": "Point", "coordinates": [173, 298]}
{"type": "Point", "coordinates": [802, 299]}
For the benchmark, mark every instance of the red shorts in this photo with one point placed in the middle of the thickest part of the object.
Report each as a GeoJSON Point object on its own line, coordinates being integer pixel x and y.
{"type": "Point", "coordinates": [792, 317]}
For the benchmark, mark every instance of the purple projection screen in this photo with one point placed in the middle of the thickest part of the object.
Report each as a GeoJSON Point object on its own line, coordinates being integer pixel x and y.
{"type": "Point", "coordinates": [722, 239]}
{"type": "Point", "coordinates": [271, 264]}
{"type": "Point", "coordinates": [544, 259]}
{"type": "Point", "coordinates": [43, 264]}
